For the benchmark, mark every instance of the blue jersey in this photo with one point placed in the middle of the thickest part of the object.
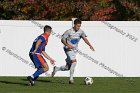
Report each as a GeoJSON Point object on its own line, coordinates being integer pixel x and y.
{"type": "Point", "coordinates": [44, 38]}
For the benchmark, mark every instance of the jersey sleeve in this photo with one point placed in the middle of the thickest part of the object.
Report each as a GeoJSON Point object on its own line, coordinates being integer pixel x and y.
{"type": "Point", "coordinates": [42, 38]}
{"type": "Point", "coordinates": [65, 35]}
{"type": "Point", "coordinates": [83, 34]}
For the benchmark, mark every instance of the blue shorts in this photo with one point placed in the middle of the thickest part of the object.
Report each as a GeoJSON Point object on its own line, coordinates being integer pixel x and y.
{"type": "Point", "coordinates": [37, 59]}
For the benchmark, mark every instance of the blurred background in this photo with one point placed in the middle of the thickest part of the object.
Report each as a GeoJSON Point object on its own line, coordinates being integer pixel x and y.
{"type": "Point", "coordinates": [87, 10]}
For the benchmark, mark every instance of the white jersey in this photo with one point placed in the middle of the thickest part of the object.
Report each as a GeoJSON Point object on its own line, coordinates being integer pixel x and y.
{"type": "Point", "coordinates": [72, 37]}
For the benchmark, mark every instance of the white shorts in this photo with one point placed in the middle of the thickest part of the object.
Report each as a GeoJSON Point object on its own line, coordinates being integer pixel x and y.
{"type": "Point", "coordinates": [71, 55]}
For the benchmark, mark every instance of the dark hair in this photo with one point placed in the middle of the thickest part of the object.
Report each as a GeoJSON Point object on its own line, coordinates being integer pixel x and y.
{"type": "Point", "coordinates": [77, 21]}
{"type": "Point", "coordinates": [47, 27]}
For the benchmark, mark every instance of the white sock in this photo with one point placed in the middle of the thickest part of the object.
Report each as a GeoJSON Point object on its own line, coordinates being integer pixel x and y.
{"type": "Point", "coordinates": [32, 76]}
{"type": "Point", "coordinates": [72, 70]}
{"type": "Point", "coordinates": [62, 68]}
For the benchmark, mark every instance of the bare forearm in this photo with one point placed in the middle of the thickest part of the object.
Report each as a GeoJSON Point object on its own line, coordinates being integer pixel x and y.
{"type": "Point", "coordinates": [46, 55]}
{"type": "Point", "coordinates": [87, 42]}
{"type": "Point", "coordinates": [64, 42]}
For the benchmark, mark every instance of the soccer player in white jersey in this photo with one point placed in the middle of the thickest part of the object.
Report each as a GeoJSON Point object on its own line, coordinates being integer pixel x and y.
{"type": "Point", "coordinates": [70, 39]}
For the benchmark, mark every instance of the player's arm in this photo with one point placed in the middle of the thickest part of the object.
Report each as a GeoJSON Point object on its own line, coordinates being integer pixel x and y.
{"type": "Point", "coordinates": [63, 40]}
{"type": "Point", "coordinates": [37, 45]}
{"type": "Point", "coordinates": [66, 44]}
{"type": "Point", "coordinates": [48, 57]}
{"type": "Point", "coordinates": [87, 42]}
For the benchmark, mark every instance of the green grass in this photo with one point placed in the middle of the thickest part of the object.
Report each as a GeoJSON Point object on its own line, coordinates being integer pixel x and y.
{"type": "Point", "coordinates": [60, 85]}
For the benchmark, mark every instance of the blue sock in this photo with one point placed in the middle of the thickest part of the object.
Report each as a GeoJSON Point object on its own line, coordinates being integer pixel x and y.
{"type": "Point", "coordinates": [38, 72]}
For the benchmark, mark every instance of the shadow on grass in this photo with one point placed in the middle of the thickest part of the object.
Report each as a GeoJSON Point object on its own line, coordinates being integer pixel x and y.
{"type": "Point", "coordinates": [48, 81]}
{"type": "Point", "coordinates": [13, 83]}
{"type": "Point", "coordinates": [54, 80]}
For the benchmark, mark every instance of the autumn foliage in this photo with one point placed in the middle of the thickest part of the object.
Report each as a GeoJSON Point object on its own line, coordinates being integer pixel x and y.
{"type": "Point", "coordinates": [94, 10]}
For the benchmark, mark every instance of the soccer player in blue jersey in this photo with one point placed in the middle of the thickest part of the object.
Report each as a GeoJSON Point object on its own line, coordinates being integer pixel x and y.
{"type": "Point", "coordinates": [36, 52]}
{"type": "Point", "coordinates": [70, 39]}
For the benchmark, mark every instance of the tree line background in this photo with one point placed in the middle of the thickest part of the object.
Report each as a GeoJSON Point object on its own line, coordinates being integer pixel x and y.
{"type": "Point", "coordinates": [88, 10]}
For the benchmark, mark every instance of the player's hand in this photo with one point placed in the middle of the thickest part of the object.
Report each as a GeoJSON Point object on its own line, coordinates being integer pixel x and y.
{"type": "Point", "coordinates": [52, 61]}
{"type": "Point", "coordinates": [70, 47]}
{"type": "Point", "coordinates": [91, 47]}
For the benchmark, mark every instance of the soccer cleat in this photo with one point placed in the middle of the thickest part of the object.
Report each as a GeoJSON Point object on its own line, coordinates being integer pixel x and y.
{"type": "Point", "coordinates": [31, 80]}
{"type": "Point", "coordinates": [54, 71]}
{"type": "Point", "coordinates": [71, 82]}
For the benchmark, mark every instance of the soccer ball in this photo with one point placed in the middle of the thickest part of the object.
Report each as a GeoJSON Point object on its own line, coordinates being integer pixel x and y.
{"type": "Point", "coordinates": [88, 81]}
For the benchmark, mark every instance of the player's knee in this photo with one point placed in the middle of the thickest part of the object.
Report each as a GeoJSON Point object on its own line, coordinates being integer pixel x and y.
{"type": "Point", "coordinates": [46, 69]}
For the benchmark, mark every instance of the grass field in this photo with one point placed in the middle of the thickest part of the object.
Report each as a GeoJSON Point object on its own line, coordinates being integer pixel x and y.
{"type": "Point", "coordinates": [60, 85]}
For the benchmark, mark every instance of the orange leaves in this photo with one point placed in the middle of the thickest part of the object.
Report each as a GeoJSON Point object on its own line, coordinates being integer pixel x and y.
{"type": "Point", "coordinates": [104, 14]}
{"type": "Point", "coordinates": [63, 9]}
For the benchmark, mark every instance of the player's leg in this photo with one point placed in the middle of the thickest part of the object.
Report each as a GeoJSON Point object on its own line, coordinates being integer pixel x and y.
{"type": "Point", "coordinates": [64, 67]}
{"type": "Point", "coordinates": [61, 68]}
{"type": "Point", "coordinates": [72, 68]}
{"type": "Point", "coordinates": [29, 78]}
{"type": "Point", "coordinates": [41, 66]}
{"type": "Point", "coordinates": [34, 76]}
{"type": "Point", "coordinates": [73, 61]}
{"type": "Point", "coordinates": [72, 56]}
{"type": "Point", "coordinates": [39, 71]}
